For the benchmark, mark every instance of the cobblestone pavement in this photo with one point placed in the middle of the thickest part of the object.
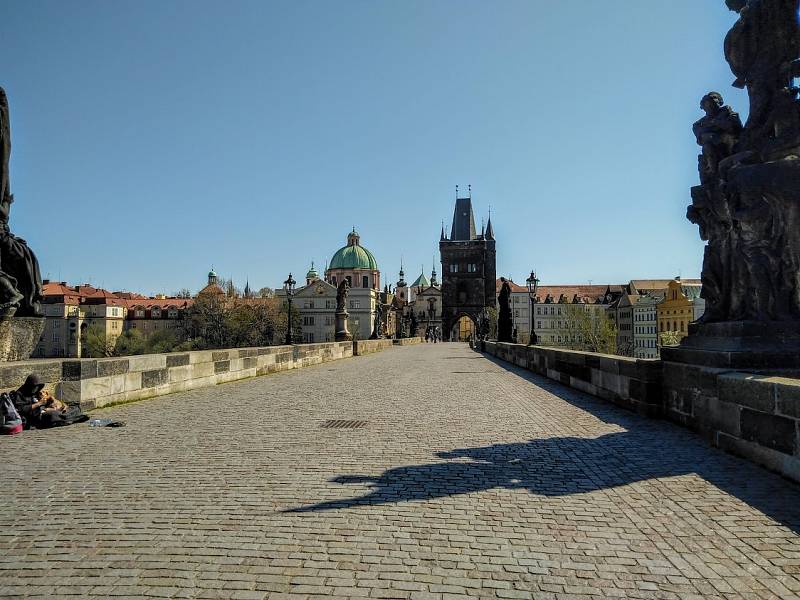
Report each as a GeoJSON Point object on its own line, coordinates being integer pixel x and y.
{"type": "Point", "coordinates": [469, 479]}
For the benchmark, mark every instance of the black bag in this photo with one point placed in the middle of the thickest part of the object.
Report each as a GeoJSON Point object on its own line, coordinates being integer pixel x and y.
{"type": "Point", "coordinates": [58, 419]}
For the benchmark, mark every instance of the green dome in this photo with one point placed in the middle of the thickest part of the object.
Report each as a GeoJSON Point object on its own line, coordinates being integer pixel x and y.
{"type": "Point", "coordinates": [353, 256]}
{"type": "Point", "coordinates": [312, 272]}
{"type": "Point", "coordinates": [421, 281]}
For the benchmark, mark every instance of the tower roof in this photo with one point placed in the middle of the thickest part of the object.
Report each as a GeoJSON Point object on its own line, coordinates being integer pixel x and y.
{"type": "Point", "coordinates": [421, 281]}
{"type": "Point", "coordinates": [463, 221]}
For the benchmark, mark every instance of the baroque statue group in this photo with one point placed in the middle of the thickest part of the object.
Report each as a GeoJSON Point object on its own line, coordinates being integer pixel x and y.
{"type": "Point", "coordinates": [20, 281]}
{"type": "Point", "coordinates": [748, 203]}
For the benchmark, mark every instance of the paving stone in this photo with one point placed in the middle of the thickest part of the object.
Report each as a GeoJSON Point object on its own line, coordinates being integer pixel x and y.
{"type": "Point", "coordinates": [471, 478]}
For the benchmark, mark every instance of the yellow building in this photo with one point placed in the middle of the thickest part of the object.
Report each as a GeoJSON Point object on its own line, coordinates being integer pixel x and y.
{"type": "Point", "coordinates": [682, 304]}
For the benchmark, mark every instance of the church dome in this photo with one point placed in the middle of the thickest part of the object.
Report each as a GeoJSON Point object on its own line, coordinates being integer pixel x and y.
{"type": "Point", "coordinates": [353, 256]}
{"type": "Point", "coordinates": [312, 272]}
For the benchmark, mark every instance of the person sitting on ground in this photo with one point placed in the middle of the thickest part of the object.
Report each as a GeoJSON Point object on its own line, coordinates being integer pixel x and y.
{"type": "Point", "coordinates": [39, 409]}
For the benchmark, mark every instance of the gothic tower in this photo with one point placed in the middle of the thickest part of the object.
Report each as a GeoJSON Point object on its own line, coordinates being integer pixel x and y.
{"type": "Point", "coordinates": [468, 269]}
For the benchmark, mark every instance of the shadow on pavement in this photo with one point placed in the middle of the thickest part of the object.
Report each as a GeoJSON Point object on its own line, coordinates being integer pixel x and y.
{"type": "Point", "coordinates": [559, 466]}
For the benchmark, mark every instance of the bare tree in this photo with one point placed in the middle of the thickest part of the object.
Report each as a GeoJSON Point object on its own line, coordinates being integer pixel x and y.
{"type": "Point", "coordinates": [588, 328]}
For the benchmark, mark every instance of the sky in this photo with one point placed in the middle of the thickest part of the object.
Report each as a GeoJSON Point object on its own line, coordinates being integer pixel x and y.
{"type": "Point", "coordinates": [153, 140]}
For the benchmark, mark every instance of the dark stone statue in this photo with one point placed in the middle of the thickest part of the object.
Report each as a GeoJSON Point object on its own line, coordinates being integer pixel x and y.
{"type": "Point", "coordinates": [505, 324]}
{"type": "Point", "coordinates": [20, 281]}
{"type": "Point", "coordinates": [748, 204]}
{"type": "Point", "coordinates": [341, 296]}
{"type": "Point", "coordinates": [342, 334]}
{"type": "Point", "coordinates": [377, 325]}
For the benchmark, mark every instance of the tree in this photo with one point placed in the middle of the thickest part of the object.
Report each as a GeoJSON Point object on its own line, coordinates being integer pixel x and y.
{"type": "Point", "coordinates": [96, 344]}
{"type": "Point", "coordinates": [588, 329]}
{"type": "Point", "coordinates": [266, 292]}
{"type": "Point", "coordinates": [491, 312]}
{"type": "Point", "coordinates": [183, 293]}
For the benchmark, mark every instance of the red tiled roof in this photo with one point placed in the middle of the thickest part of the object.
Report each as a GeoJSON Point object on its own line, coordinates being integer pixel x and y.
{"type": "Point", "coordinates": [87, 294]}
{"type": "Point", "coordinates": [588, 293]}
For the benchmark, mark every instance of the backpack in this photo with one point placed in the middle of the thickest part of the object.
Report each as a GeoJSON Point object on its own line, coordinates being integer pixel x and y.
{"type": "Point", "coordinates": [10, 421]}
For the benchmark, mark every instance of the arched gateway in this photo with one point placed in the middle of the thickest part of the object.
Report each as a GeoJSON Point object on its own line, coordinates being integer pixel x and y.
{"type": "Point", "coordinates": [468, 270]}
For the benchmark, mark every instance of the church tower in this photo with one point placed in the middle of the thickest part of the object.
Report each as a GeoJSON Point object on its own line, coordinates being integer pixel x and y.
{"type": "Point", "coordinates": [468, 270]}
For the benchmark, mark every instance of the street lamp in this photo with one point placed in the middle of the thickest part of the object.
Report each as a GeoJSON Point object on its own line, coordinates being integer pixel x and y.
{"type": "Point", "coordinates": [533, 286]}
{"type": "Point", "coordinates": [288, 287]}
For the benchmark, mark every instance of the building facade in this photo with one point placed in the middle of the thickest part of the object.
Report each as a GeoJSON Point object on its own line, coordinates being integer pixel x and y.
{"type": "Point", "coordinates": [468, 272]}
{"type": "Point", "coordinates": [645, 326]}
{"type": "Point", "coordinates": [682, 304]}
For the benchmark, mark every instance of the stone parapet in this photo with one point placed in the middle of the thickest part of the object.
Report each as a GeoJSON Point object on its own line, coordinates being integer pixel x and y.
{"type": "Point", "coordinates": [362, 347]}
{"type": "Point", "coordinates": [753, 415]}
{"type": "Point", "coordinates": [407, 341]}
{"type": "Point", "coordinates": [635, 383]}
{"type": "Point", "coordinates": [99, 382]}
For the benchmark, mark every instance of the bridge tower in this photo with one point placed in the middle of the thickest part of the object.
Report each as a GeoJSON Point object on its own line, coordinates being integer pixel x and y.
{"type": "Point", "coordinates": [468, 271]}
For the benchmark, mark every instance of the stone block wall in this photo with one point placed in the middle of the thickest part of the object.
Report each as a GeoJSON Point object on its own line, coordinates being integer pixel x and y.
{"type": "Point", "coordinates": [755, 416]}
{"type": "Point", "coordinates": [635, 383]}
{"type": "Point", "coordinates": [362, 347]}
{"type": "Point", "coordinates": [99, 382]}
{"type": "Point", "coordinates": [407, 341]}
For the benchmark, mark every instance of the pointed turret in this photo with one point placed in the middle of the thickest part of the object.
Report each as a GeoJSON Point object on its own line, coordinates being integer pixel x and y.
{"type": "Point", "coordinates": [443, 237]}
{"type": "Point", "coordinates": [489, 235]}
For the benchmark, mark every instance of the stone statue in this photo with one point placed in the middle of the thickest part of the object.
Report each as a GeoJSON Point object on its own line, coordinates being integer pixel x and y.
{"type": "Point", "coordinates": [341, 296]}
{"type": "Point", "coordinates": [748, 204]}
{"type": "Point", "coordinates": [504, 321]}
{"type": "Point", "coordinates": [341, 333]}
{"type": "Point", "coordinates": [377, 325]}
{"type": "Point", "coordinates": [20, 281]}
{"type": "Point", "coordinates": [717, 133]}
{"type": "Point", "coordinates": [762, 50]}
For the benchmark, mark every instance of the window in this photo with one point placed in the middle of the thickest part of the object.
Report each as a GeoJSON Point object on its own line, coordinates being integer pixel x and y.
{"type": "Point", "coordinates": [333, 280]}
{"type": "Point", "coordinates": [454, 268]}
{"type": "Point", "coordinates": [309, 304]}
{"type": "Point", "coordinates": [308, 320]}
{"type": "Point", "coordinates": [355, 304]}
{"type": "Point", "coordinates": [516, 312]}
{"type": "Point", "coordinates": [365, 281]}
{"type": "Point", "coordinates": [538, 311]}
{"type": "Point", "coordinates": [538, 324]}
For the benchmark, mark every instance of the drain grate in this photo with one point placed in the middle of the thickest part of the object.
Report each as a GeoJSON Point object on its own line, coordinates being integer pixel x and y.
{"type": "Point", "coordinates": [342, 424]}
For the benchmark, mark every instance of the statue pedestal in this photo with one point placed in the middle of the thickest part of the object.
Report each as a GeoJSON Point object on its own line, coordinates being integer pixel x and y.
{"type": "Point", "coordinates": [19, 336]}
{"type": "Point", "coordinates": [342, 335]}
{"type": "Point", "coordinates": [749, 345]}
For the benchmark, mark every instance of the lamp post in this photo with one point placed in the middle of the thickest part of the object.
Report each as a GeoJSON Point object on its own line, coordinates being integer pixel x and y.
{"type": "Point", "coordinates": [288, 287]}
{"type": "Point", "coordinates": [533, 286]}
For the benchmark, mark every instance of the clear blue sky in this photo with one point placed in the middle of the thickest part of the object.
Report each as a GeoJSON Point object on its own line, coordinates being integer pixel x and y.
{"type": "Point", "coordinates": [154, 139]}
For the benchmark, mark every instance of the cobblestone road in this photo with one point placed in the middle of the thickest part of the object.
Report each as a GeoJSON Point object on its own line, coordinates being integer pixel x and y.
{"type": "Point", "coordinates": [470, 479]}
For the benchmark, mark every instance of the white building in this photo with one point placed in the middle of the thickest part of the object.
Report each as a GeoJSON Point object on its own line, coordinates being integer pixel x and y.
{"type": "Point", "coordinates": [645, 326]}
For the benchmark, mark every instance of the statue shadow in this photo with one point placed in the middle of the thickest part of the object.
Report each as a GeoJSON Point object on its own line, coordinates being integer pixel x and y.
{"type": "Point", "coordinates": [647, 449]}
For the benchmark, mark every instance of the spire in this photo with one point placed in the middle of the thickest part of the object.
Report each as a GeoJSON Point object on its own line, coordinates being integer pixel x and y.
{"type": "Point", "coordinates": [489, 229]}
{"type": "Point", "coordinates": [463, 228]}
{"type": "Point", "coordinates": [443, 236]}
{"type": "Point", "coordinates": [247, 292]}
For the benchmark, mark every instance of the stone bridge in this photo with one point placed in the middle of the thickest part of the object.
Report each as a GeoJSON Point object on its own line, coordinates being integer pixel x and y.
{"type": "Point", "coordinates": [426, 471]}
